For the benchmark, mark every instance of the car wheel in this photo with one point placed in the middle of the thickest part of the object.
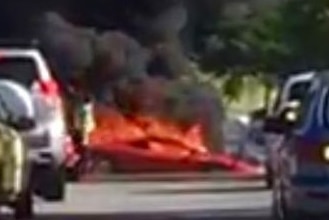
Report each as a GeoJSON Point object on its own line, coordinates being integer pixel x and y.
{"type": "Point", "coordinates": [58, 185]}
{"type": "Point", "coordinates": [50, 182]}
{"type": "Point", "coordinates": [23, 207]}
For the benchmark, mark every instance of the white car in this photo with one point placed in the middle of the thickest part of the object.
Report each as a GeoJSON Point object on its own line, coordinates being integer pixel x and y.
{"type": "Point", "coordinates": [47, 140]}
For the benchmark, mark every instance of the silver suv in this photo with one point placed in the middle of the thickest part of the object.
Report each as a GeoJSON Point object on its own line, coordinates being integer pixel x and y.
{"type": "Point", "coordinates": [29, 68]}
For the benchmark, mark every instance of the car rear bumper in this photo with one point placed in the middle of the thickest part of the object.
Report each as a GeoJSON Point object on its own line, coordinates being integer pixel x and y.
{"type": "Point", "coordinates": [45, 145]}
{"type": "Point", "coordinates": [41, 157]}
{"type": "Point", "coordinates": [52, 151]}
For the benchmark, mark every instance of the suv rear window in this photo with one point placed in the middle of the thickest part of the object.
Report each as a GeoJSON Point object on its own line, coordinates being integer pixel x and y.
{"type": "Point", "coordinates": [19, 69]}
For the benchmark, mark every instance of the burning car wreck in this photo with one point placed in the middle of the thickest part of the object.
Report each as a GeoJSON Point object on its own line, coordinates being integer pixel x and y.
{"type": "Point", "coordinates": [148, 116]}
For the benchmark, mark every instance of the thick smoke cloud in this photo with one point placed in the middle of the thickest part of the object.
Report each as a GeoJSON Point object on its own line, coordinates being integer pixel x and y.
{"type": "Point", "coordinates": [131, 73]}
{"type": "Point", "coordinates": [69, 46]}
{"type": "Point", "coordinates": [121, 55]}
{"type": "Point", "coordinates": [170, 22]}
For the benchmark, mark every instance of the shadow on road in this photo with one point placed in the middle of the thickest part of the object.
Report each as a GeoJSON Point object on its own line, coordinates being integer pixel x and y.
{"type": "Point", "coordinates": [250, 214]}
{"type": "Point", "coordinates": [171, 177]}
{"type": "Point", "coordinates": [201, 191]}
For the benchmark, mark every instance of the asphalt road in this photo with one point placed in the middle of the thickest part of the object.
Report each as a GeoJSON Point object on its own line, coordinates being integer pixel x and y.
{"type": "Point", "coordinates": [166, 197]}
{"type": "Point", "coordinates": [221, 198]}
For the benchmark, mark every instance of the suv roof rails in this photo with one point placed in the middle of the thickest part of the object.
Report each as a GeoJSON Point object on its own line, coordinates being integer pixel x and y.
{"type": "Point", "coordinates": [20, 43]}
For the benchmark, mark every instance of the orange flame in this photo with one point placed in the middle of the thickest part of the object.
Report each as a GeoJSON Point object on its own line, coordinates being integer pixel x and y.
{"type": "Point", "coordinates": [114, 127]}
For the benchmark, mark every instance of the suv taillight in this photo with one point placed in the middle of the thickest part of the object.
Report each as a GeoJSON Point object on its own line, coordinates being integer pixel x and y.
{"type": "Point", "coordinates": [49, 88]}
{"type": "Point", "coordinates": [49, 91]}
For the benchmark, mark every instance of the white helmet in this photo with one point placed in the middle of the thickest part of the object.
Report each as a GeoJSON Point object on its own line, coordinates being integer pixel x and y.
{"type": "Point", "coordinates": [15, 100]}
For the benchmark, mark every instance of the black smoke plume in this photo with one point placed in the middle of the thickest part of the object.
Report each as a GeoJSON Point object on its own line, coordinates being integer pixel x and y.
{"type": "Point", "coordinates": [130, 55]}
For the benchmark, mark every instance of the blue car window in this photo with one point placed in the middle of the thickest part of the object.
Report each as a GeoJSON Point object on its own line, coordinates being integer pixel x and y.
{"type": "Point", "coordinates": [306, 103]}
{"type": "Point", "coordinates": [297, 91]}
{"type": "Point", "coordinates": [326, 110]}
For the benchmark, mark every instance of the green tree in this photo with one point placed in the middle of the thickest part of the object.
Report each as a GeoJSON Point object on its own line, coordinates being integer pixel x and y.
{"type": "Point", "coordinates": [291, 37]}
{"type": "Point", "coordinates": [249, 46]}
{"type": "Point", "coordinates": [306, 30]}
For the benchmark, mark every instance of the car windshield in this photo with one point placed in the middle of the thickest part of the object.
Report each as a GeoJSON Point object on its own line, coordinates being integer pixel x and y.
{"type": "Point", "coordinates": [296, 93]}
{"type": "Point", "coordinates": [19, 69]}
{"type": "Point", "coordinates": [298, 90]}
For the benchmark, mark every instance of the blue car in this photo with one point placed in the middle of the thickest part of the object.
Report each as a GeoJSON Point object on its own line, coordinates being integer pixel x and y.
{"type": "Point", "coordinates": [301, 157]}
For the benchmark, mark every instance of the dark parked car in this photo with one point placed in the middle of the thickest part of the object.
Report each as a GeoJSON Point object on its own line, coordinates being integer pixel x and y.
{"type": "Point", "coordinates": [300, 164]}
{"type": "Point", "coordinates": [290, 96]}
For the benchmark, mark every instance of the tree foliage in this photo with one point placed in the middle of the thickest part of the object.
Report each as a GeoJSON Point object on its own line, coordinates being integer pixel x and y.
{"type": "Point", "coordinates": [288, 38]}
{"type": "Point", "coordinates": [292, 36]}
{"type": "Point", "coordinates": [306, 29]}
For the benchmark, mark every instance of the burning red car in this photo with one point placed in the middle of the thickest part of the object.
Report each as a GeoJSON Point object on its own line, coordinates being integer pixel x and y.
{"type": "Point", "coordinates": [146, 144]}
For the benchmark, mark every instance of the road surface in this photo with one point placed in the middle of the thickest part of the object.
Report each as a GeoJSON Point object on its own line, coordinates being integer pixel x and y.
{"type": "Point", "coordinates": [161, 200]}
{"type": "Point", "coordinates": [169, 198]}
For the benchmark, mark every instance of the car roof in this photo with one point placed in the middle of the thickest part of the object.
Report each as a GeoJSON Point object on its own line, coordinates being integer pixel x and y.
{"type": "Point", "coordinates": [320, 80]}
{"type": "Point", "coordinates": [303, 76]}
{"type": "Point", "coordinates": [296, 78]}
{"type": "Point", "coordinates": [323, 77]}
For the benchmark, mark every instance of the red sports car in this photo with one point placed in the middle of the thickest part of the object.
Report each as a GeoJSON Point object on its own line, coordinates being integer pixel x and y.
{"type": "Point", "coordinates": [145, 144]}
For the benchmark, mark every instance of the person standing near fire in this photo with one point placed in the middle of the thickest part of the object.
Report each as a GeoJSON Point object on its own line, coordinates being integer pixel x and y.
{"type": "Point", "coordinates": [81, 112]}
{"type": "Point", "coordinates": [81, 118]}
{"type": "Point", "coordinates": [85, 118]}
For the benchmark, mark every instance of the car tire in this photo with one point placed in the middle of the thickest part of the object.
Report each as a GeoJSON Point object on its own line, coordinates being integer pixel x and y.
{"type": "Point", "coordinates": [57, 185]}
{"type": "Point", "coordinates": [49, 182]}
{"type": "Point", "coordinates": [23, 207]}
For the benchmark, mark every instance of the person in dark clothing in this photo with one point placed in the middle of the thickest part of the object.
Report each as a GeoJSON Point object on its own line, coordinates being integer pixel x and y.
{"type": "Point", "coordinates": [80, 119]}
